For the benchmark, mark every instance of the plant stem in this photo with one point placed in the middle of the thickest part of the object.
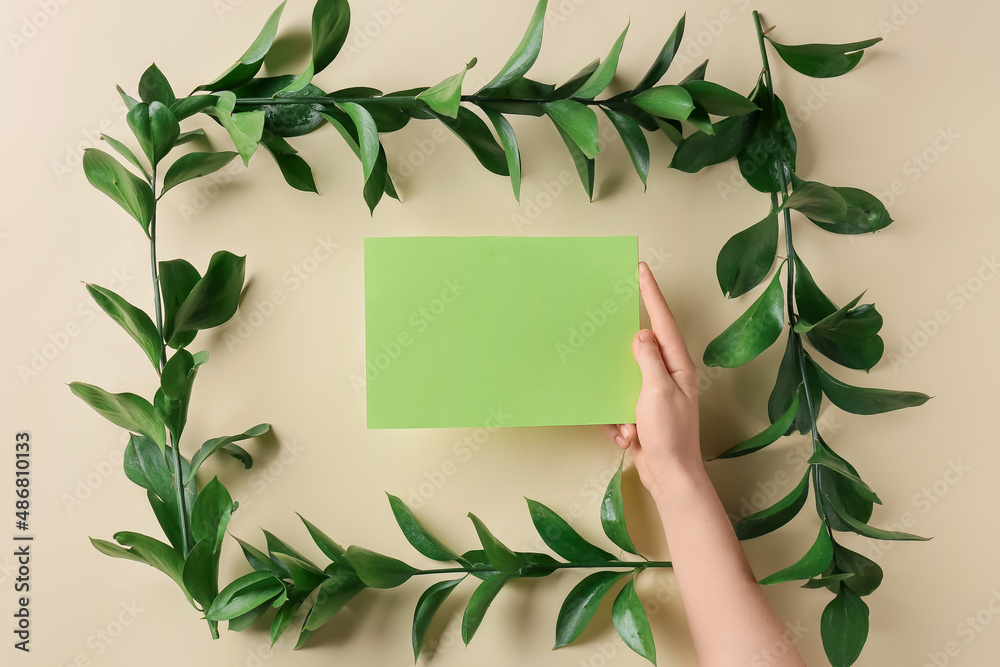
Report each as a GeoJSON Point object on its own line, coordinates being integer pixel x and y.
{"type": "Point", "coordinates": [553, 566]}
{"type": "Point", "coordinates": [776, 202]}
{"type": "Point", "coordinates": [395, 99]}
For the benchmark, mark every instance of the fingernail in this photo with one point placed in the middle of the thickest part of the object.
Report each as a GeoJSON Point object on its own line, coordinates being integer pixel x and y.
{"type": "Point", "coordinates": [620, 440]}
{"type": "Point", "coordinates": [646, 336]}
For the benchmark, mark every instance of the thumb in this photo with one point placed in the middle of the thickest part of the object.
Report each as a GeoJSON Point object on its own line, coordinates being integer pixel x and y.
{"type": "Point", "coordinates": [647, 354]}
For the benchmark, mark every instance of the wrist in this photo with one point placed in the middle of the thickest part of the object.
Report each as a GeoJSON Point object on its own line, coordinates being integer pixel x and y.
{"type": "Point", "coordinates": [680, 481]}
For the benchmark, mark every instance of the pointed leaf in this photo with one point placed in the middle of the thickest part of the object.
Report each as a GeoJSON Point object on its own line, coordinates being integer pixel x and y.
{"type": "Point", "coordinates": [177, 279]}
{"type": "Point", "coordinates": [243, 595]}
{"type": "Point", "coordinates": [126, 189]}
{"type": "Point", "coordinates": [481, 600]}
{"type": "Point", "coordinates": [245, 129]}
{"type": "Point", "coordinates": [871, 531]}
{"type": "Point", "coordinates": [131, 412]}
{"type": "Point", "coordinates": [126, 153]}
{"type": "Point", "coordinates": [564, 91]}
{"type": "Point", "coordinates": [154, 553]}
{"type": "Point", "coordinates": [417, 535]}
{"type": "Point", "coordinates": [211, 514]}
{"type": "Point", "coordinates": [772, 143]}
{"type": "Point", "coordinates": [214, 298]}
{"type": "Point", "coordinates": [865, 214]}
{"type": "Point", "coordinates": [428, 604]}
{"type": "Point", "coordinates": [216, 444]}
{"type": "Point", "coordinates": [823, 60]}
{"type": "Point", "coordinates": [719, 100]}
{"type": "Point", "coordinates": [201, 573]}
{"type": "Point", "coordinates": [561, 538]}
{"type": "Point", "coordinates": [331, 596]}
{"type": "Point", "coordinates": [376, 570]}
{"type": "Point", "coordinates": [747, 257]}
{"type": "Point", "coordinates": [634, 140]}
{"type": "Point", "coordinates": [613, 514]}
{"type": "Point", "coordinates": [189, 106]}
{"type": "Point", "coordinates": [701, 150]}
{"type": "Point", "coordinates": [195, 165]}
{"type": "Point", "coordinates": [600, 79]}
{"type": "Point", "coordinates": [817, 202]}
{"type": "Point", "coordinates": [134, 321]}
{"type": "Point", "coordinates": [753, 332]}
{"type": "Point", "coordinates": [827, 458]}
{"type": "Point", "coordinates": [580, 605]}
{"type": "Point", "coordinates": [665, 102]}
{"type": "Point", "coordinates": [509, 142]}
{"type": "Point", "coordinates": [525, 54]}
{"type": "Point", "coordinates": [765, 437]}
{"type": "Point", "coordinates": [445, 97]}
{"type": "Point", "coordinates": [663, 59]}
{"type": "Point", "coordinates": [498, 554]}
{"type": "Point", "coordinates": [156, 128]}
{"type": "Point", "coordinates": [844, 628]}
{"type": "Point", "coordinates": [250, 62]}
{"type": "Point", "coordinates": [631, 622]}
{"type": "Point", "coordinates": [585, 166]}
{"type": "Point", "coordinates": [261, 562]}
{"type": "Point", "coordinates": [867, 575]}
{"type": "Point", "coordinates": [789, 383]}
{"type": "Point", "coordinates": [154, 87]}
{"type": "Point", "coordinates": [578, 121]}
{"type": "Point", "coordinates": [475, 134]}
{"type": "Point", "coordinates": [330, 548]}
{"type": "Point", "coordinates": [331, 22]}
{"type": "Point", "coordinates": [777, 515]}
{"type": "Point", "coordinates": [812, 564]}
{"type": "Point", "coordinates": [368, 135]}
{"type": "Point", "coordinates": [865, 401]}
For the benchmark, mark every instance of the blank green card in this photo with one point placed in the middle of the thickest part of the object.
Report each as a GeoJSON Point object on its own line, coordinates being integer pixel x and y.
{"type": "Point", "coordinates": [500, 331]}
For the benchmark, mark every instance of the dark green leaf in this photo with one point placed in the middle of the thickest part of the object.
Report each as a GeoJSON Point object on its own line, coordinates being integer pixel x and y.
{"type": "Point", "coordinates": [214, 298]}
{"type": "Point", "coordinates": [250, 62]}
{"type": "Point", "coordinates": [788, 384]}
{"type": "Point", "coordinates": [865, 214]}
{"type": "Point", "coordinates": [585, 166]}
{"type": "Point", "coordinates": [753, 332]}
{"type": "Point", "coordinates": [445, 97]}
{"type": "Point", "coordinates": [331, 596]}
{"type": "Point", "coordinates": [367, 130]}
{"type": "Point", "coordinates": [211, 514]}
{"type": "Point", "coordinates": [379, 183]}
{"type": "Point", "coordinates": [867, 575]}
{"type": "Point", "coordinates": [631, 622]}
{"type": "Point", "coordinates": [812, 564]}
{"type": "Point", "coordinates": [376, 570]}
{"type": "Point", "coordinates": [126, 98]}
{"type": "Point", "coordinates": [156, 128]}
{"type": "Point", "coordinates": [826, 457]}
{"type": "Point", "coordinates": [817, 202]}
{"type": "Point", "coordinates": [305, 575]}
{"type": "Point", "coordinates": [564, 91]}
{"type": "Point", "coordinates": [114, 550]}
{"type": "Point", "coordinates": [663, 59]}
{"type": "Point", "coordinates": [719, 100]}
{"type": "Point", "coordinates": [771, 143]}
{"type": "Point", "coordinates": [127, 190]}
{"type": "Point", "coordinates": [578, 121]}
{"type": "Point", "coordinates": [844, 494]}
{"type": "Point", "coordinates": [634, 140]}
{"type": "Point", "coordinates": [154, 553]}
{"type": "Point", "coordinates": [131, 412]}
{"type": "Point", "coordinates": [700, 120]}
{"type": "Point", "coordinates": [831, 582]}
{"type": "Point", "coordinates": [282, 618]}
{"type": "Point", "coordinates": [294, 169]}
{"type": "Point", "coordinates": [171, 402]}
{"type": "Point", "coordinates": [525, 54]}
{"type": "Point", "coordinates": [747, 257]}
{"type": "Point", "coordinates": [701, 150]}
{"type": "Point", "coordinates": [613, 514]}
{"type": "Point", "coordinates": [580, 605]}
{"type": "Point", "coordinates": [665, 102]}
{"type": "Point", "coordinates": [285, 120]}
{"type": "Point", "coordinates": [561, 538]}
{"type": "Point", "coordinates": [216, 444]}
{"type": "Point", "coordinates": [177, 279]}
{"type": "Point", "coordinates": [195, 165]}
{"type": "Point", "coordinates": [600, 79]}
{"type": "Point", "coordinates": [823, 60]}
{"type": "Point", "coordinates": [417, 535]}
{"type": "Point", "coordinates": [428, 604]}
{"type": "Point", "coordinates": [777, 515]}
{"type": "Point", "coordinates": [261, 562]}
{"type": "Point", "coordinates": [865, 401]}
{"type": "Point", "coordinates": [201, 573]}
{"type": "Point", "coordinates": [471, 129]}
{"type": "Point", "coordinates": [154, 87]}
{"type": "Point", "coordinates": [126, 153]}
{"type": "Point", "coordinates": [145, 466]}
{"type": "Point", "coordinates": [167, 516]}
{"type": "Point", "coordinates": [189, 106]}
{"type": "Point", "coordinates": [134, 321]}
{"type": "Point", "coordinates": [867, 530]}
{"type": "Point", "coordinates": [844, 628]}
{"type": "Point", "coordinates": [765, 437]}
{"type": "Point", "coordinates": [331, 22]}
{"type": "Point", "coordinates": [498, 555]}
{"type": "Point", "coordinates": [247, 619]}
{"type": "Point", "coordinates": [697, 74]}
{"type": "Point", "coordinates": [481, 599]}
{"type": "Point", "coordinates": [330, 549]}
{"type": "Point", "coordinates": [509, 142]}
{"type": "Point", "coordinates": [243, 595]}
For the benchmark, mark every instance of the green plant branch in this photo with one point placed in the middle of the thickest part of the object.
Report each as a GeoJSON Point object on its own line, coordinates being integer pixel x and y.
{"type": "Point", "coordinates": [596, 565]}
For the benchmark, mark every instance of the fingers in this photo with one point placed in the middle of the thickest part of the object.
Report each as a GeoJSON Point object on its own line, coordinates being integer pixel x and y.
{"type": "Point", "coordinates": [672, 348]}
{"type": "Point", "coordinates": [647, 354]}
{"type": "Point", "coordinates": [623, 435]}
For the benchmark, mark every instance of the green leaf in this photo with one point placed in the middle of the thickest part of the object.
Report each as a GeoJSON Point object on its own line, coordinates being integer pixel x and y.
{"type": "Point", "coordinates": [379, 183]}
{"type": "Point", "coordinates": [294, 169]}
{"type": "Point", "coordinates": [771, 144]}
{"type": "Point", "coordinates": [600, 79]}
{"type": "Point", "coordinates": [481, 599]}
{"type": "Point", "coordinates": [826, 457]}
{"type": "Point", "coordinates": [331, 596]}
{"type": "Point", "coordinates": [812, 564]}
{"type": "Point", "coordinates": [865, 214]}
{"type": "Point", "coordinates": [665, 102]}
{"type": "Point", "coordinates": [823, 60]}
{"type": "Point", "coordinates": [189, 106]}
{"type": "Point", "coordinates": [211, 514]}
{"type": "Point", "coordinates": [187, 137]}
{"type": "Point", "coordinates": [156, 128]}
{"type": "Point", "coordinates": [844, 628]}
{"type": "Point", "coordinates": [630, 621]}
{"type": "Point", "coordinates": [126, 153]}
{"type": "Point", "coordinates": [701, 150]}
{"type": "Point", "coordinates": [126, 189]}
{"type": "Point", "coordinates": [201, 573]}
{"type": "Point", "coordinates": [251, 61]}
{"type": "Point", "coordinates": [177, 279]}
{"type": "Point", "coordinates": [114, 550]}
{"type": "Point", "coordinates": [634, 140]}
{"type": "Point", "coordinates": [261, 562]}
{"type": "Point", "coordinates": [428, 604]}
{"type": "Point", "coordinates": [697, 74]}
{"type": "Point", "coordinates": [525, 54]}
{"type": "Point", "coordinates": [195, 165]}
{"type": "Point", "coordinates": [566, 90]}
{"type": "Point", "coordinates": [817, 202]}
{"type": "Point", "coordinates": [154, 87]}
{"type": "Point", "coordinates": [700, 120]}
{"type": "Point", "coordinates": [245, 129]}
{"type": "Point", "coordinates": [176, 382]}
{"type": "Point", "coordinates": [663, 59]}
{"type": "Point", "coordinates": [243, 595]}
{"type": "Point", "coordinates": [475, 134]}
{"type": "Point", "coordinates": [246, 620]}
{"type": "Point", "coordinates": [865, 401]}
{"type": "Point", "coordinates": [765, 437]}
{"type": "Point", "coordinates": [134, 321]}
{"type": "Point", "coordinates": [578, 121]}
{"type": "Point", "coordinates": [331, 22]}
{"type": "Point", "coordinates": [330, 549]}
{"type": "Point", "coordinates": [126, 98]}
{"type": "Point", "coordinates": [445, 97]}
{"type": "Point", "coordinates": [131, 412]}
{"type": "Point", "coordinates": [145, 466]}
{"type": "Point", "coordinates": [167, 516]}
{"type": "Point", "coordinates": [719, 100]}
{"type": "Point", "coordinates": [282, 619]}
{"type": "Point", "coordinates": [417, 535]}
{"type": "Point", "coordinates": [580, 605]}
{"type": "Point", "coordinates": [613, 514]}
{"type": "Point", "coordinates": [498, 555]}
{"type": "Point", "coordinates": [747, 257]}
{"type": "Point", "coordinates": [777, 515]}
{"type": "Point", "coordinates": [214, 298]}
{"type": "Point", "coordinates": [220, 444]}
{"type": "Point", "coordinates": [871, 531]}
{"type": "Point", "coordinates": [585, 166]}
{"type": "Point", "coordinates": [154, 553]}
{"type": "Point", "coordinates": [867, 575]}
{"type": "Point", "coordinates": [753, 332]}
{"type": "Point", "coordinates": [368, 136]}
{"type": "Point", "coordinates": [285, 120]}
{"type": "Point", "coordinates": [376, 570]}
{"type": "Point", "coordinates": [509, 142]}
{"type": "Point", "coordinates": [831, 582]}
{"type": "Point", "coordinates": [788, 384]}
{"type": "Point", "coordinates": [561, 538]}
{"type": "Point", "coordinates": [844, 494]}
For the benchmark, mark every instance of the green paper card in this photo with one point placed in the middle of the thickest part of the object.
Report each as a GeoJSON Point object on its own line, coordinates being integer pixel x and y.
{"type": "Point", "coordinates": [500, 331]}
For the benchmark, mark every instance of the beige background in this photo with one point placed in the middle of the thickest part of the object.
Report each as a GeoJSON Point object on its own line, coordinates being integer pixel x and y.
{"type": "Point", "coordinates": [921, 93]}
